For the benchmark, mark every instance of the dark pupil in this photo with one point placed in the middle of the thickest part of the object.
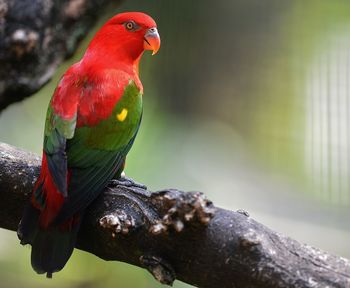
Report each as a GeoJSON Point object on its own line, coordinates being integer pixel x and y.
{"type": "Point", "coordinates": [129, 25]}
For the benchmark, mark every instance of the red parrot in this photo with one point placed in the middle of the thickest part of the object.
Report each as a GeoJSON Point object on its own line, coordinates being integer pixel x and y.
{"type": "Point", "coordinates": [91, 123]}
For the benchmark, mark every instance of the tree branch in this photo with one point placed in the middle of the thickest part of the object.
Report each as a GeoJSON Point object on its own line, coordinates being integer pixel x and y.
{"type": "Point", "coordinates": [35, 37]}
{"type": "Point", "coordinates": [179, 235]}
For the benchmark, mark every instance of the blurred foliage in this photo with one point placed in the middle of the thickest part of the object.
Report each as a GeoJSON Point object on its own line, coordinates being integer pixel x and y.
{"type": "Point", "coordinates": [247, 101]}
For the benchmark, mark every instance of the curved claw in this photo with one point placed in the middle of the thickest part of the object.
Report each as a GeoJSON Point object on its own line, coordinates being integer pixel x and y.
{"type": "Point", "coordinates": [125, 181]}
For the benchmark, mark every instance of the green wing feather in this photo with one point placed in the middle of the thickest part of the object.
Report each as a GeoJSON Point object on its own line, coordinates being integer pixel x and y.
{"type": "Point", "coordinates": [57, 131]}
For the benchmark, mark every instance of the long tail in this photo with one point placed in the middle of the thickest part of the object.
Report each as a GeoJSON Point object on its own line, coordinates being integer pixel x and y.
{"type": "Point", "coordinates": [51, 246]}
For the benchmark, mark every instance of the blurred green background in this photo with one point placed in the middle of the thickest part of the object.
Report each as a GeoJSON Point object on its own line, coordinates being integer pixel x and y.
{"type": "Point", "coordinates": [247, 101]}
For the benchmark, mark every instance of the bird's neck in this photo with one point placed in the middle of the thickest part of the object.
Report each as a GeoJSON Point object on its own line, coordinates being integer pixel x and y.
{"type": "Point", "coordinates": [101, 59]}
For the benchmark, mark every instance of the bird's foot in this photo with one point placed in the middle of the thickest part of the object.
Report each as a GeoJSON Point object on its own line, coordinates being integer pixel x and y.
{"type": "Point", "coordinates": [126, 181]}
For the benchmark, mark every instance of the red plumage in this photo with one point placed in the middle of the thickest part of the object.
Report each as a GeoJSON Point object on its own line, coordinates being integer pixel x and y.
{"type": "Point", "coordinates": [53, 197]}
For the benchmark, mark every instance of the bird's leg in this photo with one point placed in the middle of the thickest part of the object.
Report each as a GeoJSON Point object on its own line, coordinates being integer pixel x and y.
{"type": "Point", "coordinates": [122, 180]}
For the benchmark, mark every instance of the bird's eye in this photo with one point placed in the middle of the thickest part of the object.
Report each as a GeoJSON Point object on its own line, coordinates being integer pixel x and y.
{"type": "Point", "coordinates": [130, 25]}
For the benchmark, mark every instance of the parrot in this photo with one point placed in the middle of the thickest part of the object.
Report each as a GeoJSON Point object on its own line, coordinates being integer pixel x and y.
{"type": "Point", "coordinates": [91, 123]}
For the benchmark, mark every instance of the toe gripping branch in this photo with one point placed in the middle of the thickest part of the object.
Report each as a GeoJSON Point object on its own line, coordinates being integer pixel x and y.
{"type": "Point", "coordinates": [164, 214]}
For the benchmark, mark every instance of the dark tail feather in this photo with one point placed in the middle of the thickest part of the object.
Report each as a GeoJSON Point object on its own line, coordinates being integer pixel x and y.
{"type": "Point", "coordinates": [51, 247]}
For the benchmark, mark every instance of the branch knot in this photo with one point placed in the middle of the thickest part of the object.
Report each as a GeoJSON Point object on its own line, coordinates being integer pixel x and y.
{"type": "Point", "coordinates": [178, 209]}
{"type": "Point", "coordinates": [117, 222]}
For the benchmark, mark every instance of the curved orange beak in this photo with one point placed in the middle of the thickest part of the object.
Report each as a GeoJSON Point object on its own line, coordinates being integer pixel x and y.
{"type": "Point", "coordinates": [152, 40]}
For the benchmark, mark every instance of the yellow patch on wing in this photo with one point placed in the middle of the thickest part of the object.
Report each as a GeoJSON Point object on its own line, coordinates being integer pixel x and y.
{"type": "Point", "coordinates": [122, 115]}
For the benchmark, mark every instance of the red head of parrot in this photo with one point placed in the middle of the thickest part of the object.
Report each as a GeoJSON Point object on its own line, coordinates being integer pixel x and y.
{"type": "Point", "coordinates": [123, 39]}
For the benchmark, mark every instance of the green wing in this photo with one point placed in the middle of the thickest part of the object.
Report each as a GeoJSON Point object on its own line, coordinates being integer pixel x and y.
{"type": "Point", "coordinates": [96, 153]}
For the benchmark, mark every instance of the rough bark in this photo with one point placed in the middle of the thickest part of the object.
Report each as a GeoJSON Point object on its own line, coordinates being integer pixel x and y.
{"type": "Point", "coordinates": [177, 235]}
{"type": "Point", "coordinates": [36, 36]}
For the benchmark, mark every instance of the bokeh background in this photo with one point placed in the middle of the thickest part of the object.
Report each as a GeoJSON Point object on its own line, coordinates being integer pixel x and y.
{"type": "Point", "coordinates": [247, 101]}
